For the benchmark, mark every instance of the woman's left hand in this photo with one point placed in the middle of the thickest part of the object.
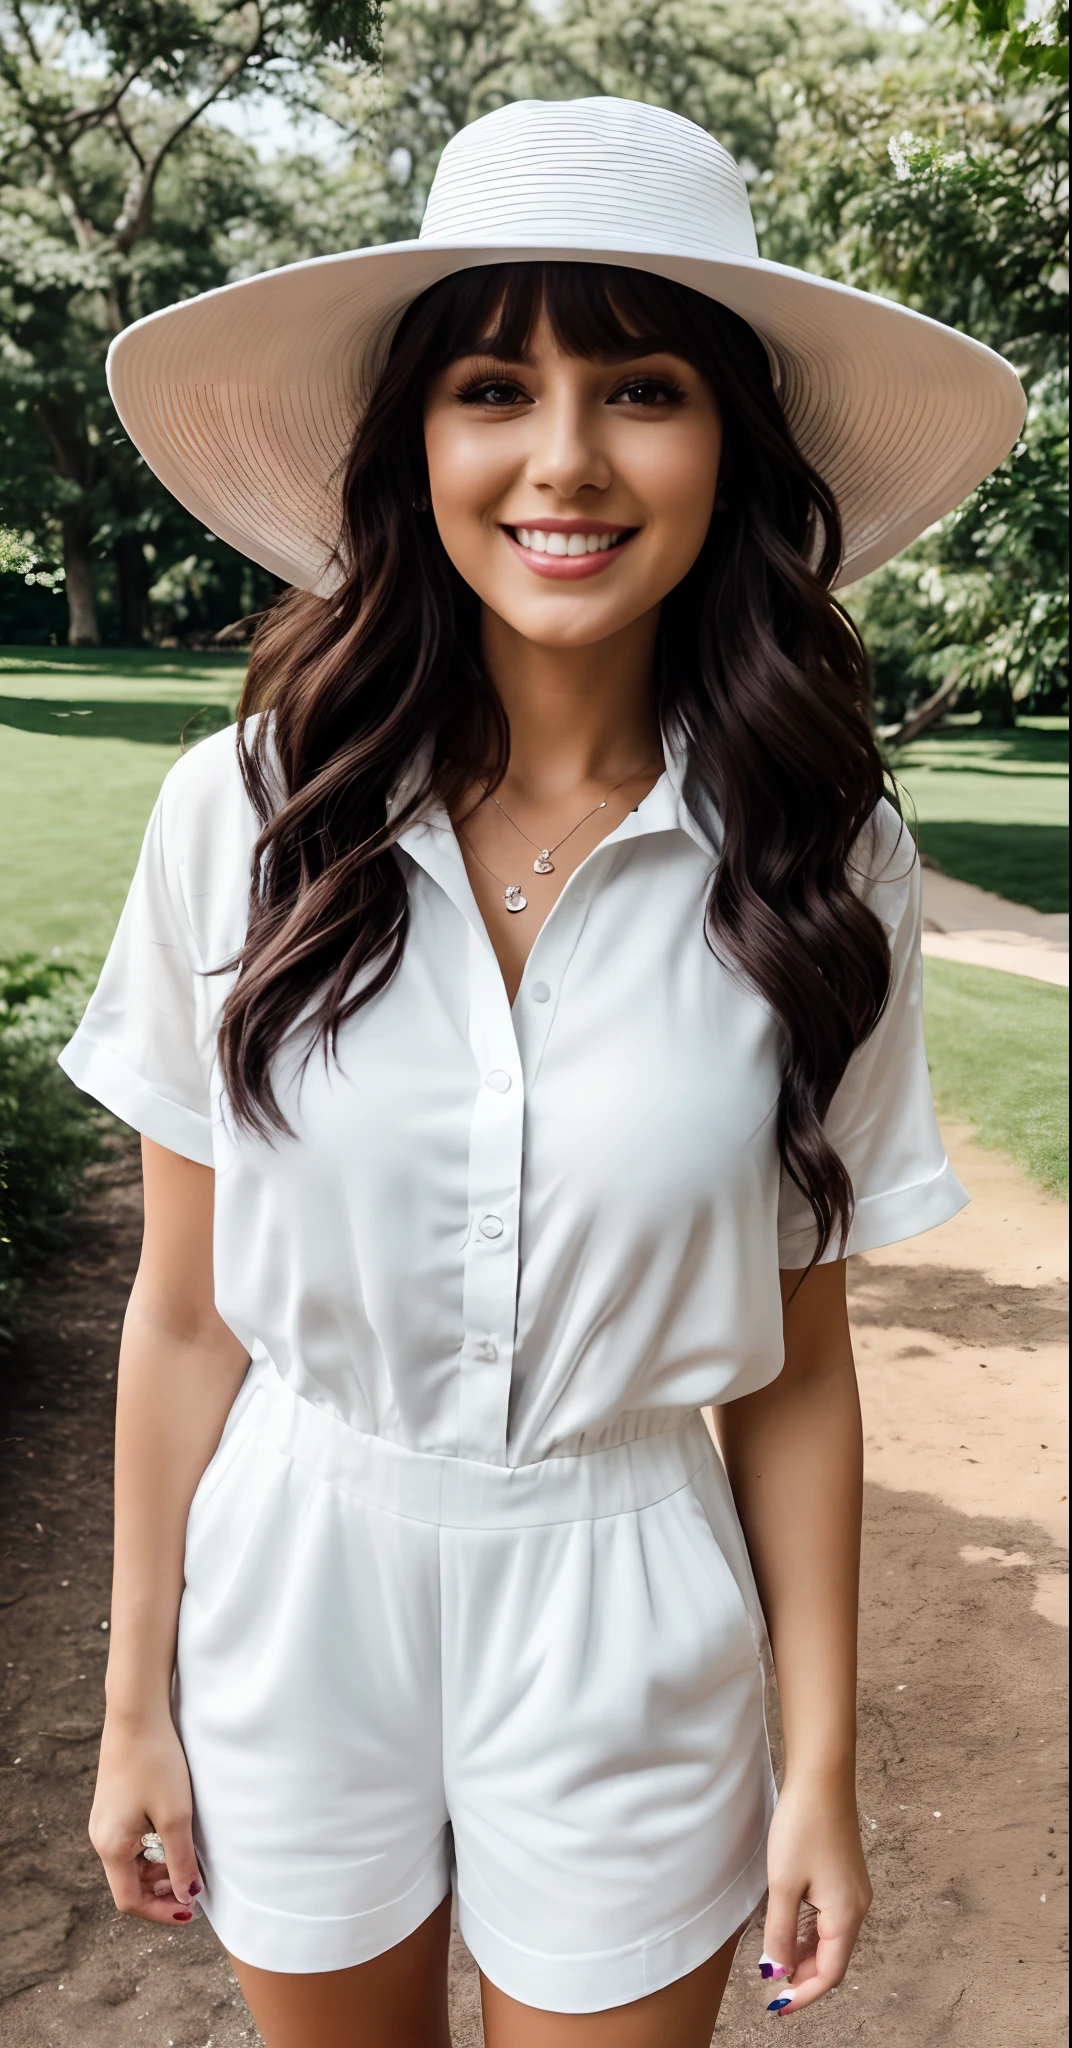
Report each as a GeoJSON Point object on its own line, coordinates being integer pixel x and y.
{"type": "Point", "coordinates": [814, 1858]}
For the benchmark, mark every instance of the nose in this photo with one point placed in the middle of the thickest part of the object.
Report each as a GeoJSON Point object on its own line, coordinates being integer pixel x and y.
{"type": "Point", "coordinates": [567, 454]}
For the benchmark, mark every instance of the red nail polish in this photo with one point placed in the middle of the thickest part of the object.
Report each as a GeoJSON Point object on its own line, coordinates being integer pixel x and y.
{"type": "Point", "coordinates": [182, 1916]}
{"type": "Point", "coordinates": [194, 1888]}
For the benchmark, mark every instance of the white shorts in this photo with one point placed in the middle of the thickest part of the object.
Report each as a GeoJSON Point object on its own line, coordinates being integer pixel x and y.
{"type": "Point", "coordinates": [544, 1684]}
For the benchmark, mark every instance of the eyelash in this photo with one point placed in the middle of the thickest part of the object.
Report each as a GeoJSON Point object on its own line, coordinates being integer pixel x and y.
{"type": "Point", "coordinates": [478, 384]}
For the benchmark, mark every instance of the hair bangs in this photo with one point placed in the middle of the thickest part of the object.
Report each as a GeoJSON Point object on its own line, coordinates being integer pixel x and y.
{"type": "Point", "coordinates": [599, 311]}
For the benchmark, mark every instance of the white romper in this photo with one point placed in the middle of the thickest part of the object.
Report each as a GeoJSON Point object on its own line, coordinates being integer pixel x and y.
{"type": "Point", "coordinates": [466, 1594]}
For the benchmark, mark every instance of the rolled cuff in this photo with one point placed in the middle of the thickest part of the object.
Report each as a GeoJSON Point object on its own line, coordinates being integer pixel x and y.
{"type": "Point", "coordinates": [97, 1070]}
{"type": "Point", "coordinates": [885, 1218]}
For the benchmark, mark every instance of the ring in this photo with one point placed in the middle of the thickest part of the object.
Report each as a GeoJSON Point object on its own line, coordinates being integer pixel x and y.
{"type": "Point", "coordinates": [152, 1848]}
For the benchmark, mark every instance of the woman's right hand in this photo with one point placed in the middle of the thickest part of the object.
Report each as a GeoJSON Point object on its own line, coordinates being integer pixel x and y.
{"type": "Point", "coordinates": [143, 1787]}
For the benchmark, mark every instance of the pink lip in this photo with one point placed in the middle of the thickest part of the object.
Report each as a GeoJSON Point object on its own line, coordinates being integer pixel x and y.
{"type": "Point", "coordinates": [567, 568]}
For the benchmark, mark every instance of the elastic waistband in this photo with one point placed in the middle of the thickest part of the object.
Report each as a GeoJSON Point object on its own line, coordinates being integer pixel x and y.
{"type": "Point", "coordinates": [462, 1493]}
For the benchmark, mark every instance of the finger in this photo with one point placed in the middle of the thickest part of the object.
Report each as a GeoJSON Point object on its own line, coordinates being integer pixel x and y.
{"type": "Point", "coordinates": [780, 1934]}
{"type": "Point", "coordinates": [180, 1862]}
{"type": "Point", "coordinates": [131, 1880]}
{"type": "Point", "coordinates": [816, 1976]}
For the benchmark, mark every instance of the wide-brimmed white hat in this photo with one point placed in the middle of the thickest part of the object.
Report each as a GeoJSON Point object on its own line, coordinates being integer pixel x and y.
{"type": "Point", "coordinates": [244, 401]}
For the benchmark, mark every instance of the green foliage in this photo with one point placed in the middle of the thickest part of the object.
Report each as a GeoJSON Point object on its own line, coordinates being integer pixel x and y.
{"type": "Point", "coordinates": [986, 591]}
{"type": "Point", "coordinates": [942, 180]}
{"type": "Point", "coordinates": [117, 198]}
{"type": "Point", "coordinates": [997, 1045]}
{"type": "Point", "coordinates": [49, 1131]}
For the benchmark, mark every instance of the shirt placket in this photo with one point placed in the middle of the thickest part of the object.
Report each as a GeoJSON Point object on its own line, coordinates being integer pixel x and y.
{"type": "Point", "coordinates": [492, 1245]}
{"type": "Point", "coordinates": [507, 1047]}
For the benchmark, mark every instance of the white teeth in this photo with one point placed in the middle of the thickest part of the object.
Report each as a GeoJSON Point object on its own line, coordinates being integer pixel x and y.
{"type": "Point", "coordinates": [542, 543]}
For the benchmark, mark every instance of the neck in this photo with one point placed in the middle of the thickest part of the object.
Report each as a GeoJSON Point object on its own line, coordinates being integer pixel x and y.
{"type": "Point", "coordinates": [576, 714]}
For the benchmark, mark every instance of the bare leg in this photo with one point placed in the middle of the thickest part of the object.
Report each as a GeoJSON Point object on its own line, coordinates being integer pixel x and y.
{"type": "Point", "coordinates": [399, 2000]}
{"type": "Point", "coordinates": [681, 2016]}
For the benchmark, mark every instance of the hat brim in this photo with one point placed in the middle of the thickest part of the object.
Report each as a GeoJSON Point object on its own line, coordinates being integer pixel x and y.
{"type": "Point", "coordinates": [244, 401]}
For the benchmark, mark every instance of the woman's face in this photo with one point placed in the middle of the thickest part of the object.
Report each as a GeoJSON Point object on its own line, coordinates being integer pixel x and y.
{"type": "Point", "coordinates": [571, 495]}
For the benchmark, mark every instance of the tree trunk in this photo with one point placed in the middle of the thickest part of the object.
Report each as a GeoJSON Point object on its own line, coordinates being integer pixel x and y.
{"type": "Point", "coordinates": [134, 577]}
{"type": "Point", "coordinates": [927, 714]}
{"type": "Point", "coordinates": [82, 627]}
{"type": "Point", "coordinates": [74, 461]}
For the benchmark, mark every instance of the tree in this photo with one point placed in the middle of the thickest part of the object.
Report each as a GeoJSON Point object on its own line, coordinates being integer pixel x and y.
{"type": "Point", "coordinates": [939, 176]}
{"type": "Point", "coordinates": [115, 202]}
{"type": "Point", "coordinates": [726, 64]}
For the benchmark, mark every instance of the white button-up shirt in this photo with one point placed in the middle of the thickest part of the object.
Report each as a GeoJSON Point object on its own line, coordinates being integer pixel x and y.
{"type": "Point", "coordinates": [508, 1232]}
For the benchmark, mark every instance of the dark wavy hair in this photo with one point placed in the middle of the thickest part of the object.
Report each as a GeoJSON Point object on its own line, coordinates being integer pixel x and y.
{"type": "Point", "coordinates": [757, 667]}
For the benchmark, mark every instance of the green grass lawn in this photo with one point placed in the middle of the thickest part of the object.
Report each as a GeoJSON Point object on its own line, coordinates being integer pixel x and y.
{"type": "Point", "coordinates": [992, 807]}
{"type": "Point", "coordinates": [86, 738]}
{"type": "Point", "coordinates": [997, 1045]}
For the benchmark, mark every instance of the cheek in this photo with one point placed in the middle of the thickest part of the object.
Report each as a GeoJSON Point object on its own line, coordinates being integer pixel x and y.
{"type": "Point", "coordinates": [676, 481]}
{"type": "Point", "coordinates": [467, 477]}
{"type": "Point", "coordinates": [467, 471]}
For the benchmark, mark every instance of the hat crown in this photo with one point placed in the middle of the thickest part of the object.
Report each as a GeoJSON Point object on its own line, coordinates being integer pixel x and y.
{"type": "Point", "coordinates": [604, 174]}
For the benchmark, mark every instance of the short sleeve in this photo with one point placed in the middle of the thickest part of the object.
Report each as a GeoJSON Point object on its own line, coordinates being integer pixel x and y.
{"type": "Point", "coordinates": [881, 1121]}
{"type": "Point", "coordinates": [146, 1045]}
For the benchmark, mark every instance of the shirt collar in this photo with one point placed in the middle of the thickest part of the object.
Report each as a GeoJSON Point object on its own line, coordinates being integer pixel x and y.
{"type": "Point", "coordinates": [663, 809]}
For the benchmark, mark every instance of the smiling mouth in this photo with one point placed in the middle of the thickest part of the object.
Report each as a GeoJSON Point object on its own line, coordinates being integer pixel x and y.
{"type": "Point", "coordinates": [570, 546]}
{"type": "Point", "coordinates": [568, 554]}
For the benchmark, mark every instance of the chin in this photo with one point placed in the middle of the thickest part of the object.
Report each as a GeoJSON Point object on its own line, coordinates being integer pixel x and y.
{"type": "Point", "coordinates": [571, 624]}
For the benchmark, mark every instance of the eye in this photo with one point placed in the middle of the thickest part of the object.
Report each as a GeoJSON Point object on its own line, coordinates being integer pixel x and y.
{"type": "Point", "coordinates": [497, 393]}
{"type": "Point", "coordinates": [649, 392]}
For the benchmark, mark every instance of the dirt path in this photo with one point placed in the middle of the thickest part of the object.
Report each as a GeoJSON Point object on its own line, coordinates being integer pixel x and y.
{"type": "Point", "coordinates": [979, 929]}
{"type": "Point", "coordinates": [962, 1676]}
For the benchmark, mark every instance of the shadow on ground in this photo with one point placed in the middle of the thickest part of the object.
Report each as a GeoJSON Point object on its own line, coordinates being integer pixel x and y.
{"type": "Point", "coordinates": [1025, 863]}
{"type": "Point", "coordinates": [961, 1776]}
{"type": "Point", "coordinates": [157, 725]}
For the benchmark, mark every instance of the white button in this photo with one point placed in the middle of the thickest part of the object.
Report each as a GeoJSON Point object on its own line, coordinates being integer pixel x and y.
{"type": "Point", "coordinates": [498, 1079]}
{"type": "Point", "coordinates": [491, 1226]}
{"type": "Point", "coordinates": [485, 1348]}
{"type": "Point", "coordinates": [540, 992]}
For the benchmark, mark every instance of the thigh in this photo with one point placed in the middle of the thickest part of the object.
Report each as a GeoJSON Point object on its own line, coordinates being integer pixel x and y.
{"type": "Point", "coordinates": [399, 2000]}
{"type": "Point", "coordinates": [682, 2015]}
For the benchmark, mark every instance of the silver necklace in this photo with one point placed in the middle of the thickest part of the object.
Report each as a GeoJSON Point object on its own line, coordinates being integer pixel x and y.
{"type": "Point", "coordinates": [543, 863]}
{"type": "Point", "coordinates": [513, 895]}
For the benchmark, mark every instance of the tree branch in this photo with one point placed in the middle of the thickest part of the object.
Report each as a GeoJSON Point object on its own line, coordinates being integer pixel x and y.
{"type": "Point", "coordinates": [135, 215]}
{"type": "Point", "coordinates": [25, 31]}
{"type": "Point", "coordinates": [927, 713]}
{"type": "Point", "coordinates": [81, 118]}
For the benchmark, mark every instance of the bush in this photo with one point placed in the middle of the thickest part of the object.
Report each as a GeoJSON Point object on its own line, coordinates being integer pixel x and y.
{"type": "Point", "coordinates": [49, 1130]}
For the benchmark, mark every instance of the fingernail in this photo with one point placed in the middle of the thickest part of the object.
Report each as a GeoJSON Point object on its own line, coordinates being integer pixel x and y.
{"type": "Point", "coordinates": [769, 1969]}
{"type": "Point", "coordinates": [779, 2004]}
{"type": "Point", "coordinates": [193, 1889]}
{"type": "Point", "coordinates": [182, 1916]}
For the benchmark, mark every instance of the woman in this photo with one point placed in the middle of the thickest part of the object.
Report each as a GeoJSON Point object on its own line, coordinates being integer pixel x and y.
{"type": "Point", "coordinates": [523, 1023]}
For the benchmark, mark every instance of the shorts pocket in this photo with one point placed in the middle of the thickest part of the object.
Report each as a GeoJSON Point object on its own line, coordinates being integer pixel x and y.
{"type": "Point", "coordinates": [709, 1550]}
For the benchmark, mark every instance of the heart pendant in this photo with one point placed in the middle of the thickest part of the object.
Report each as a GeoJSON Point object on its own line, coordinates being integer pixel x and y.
{"type": "Point", "coordinates": [513, 898]}
{"type": "Point", "coordinates": [543, 864]}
